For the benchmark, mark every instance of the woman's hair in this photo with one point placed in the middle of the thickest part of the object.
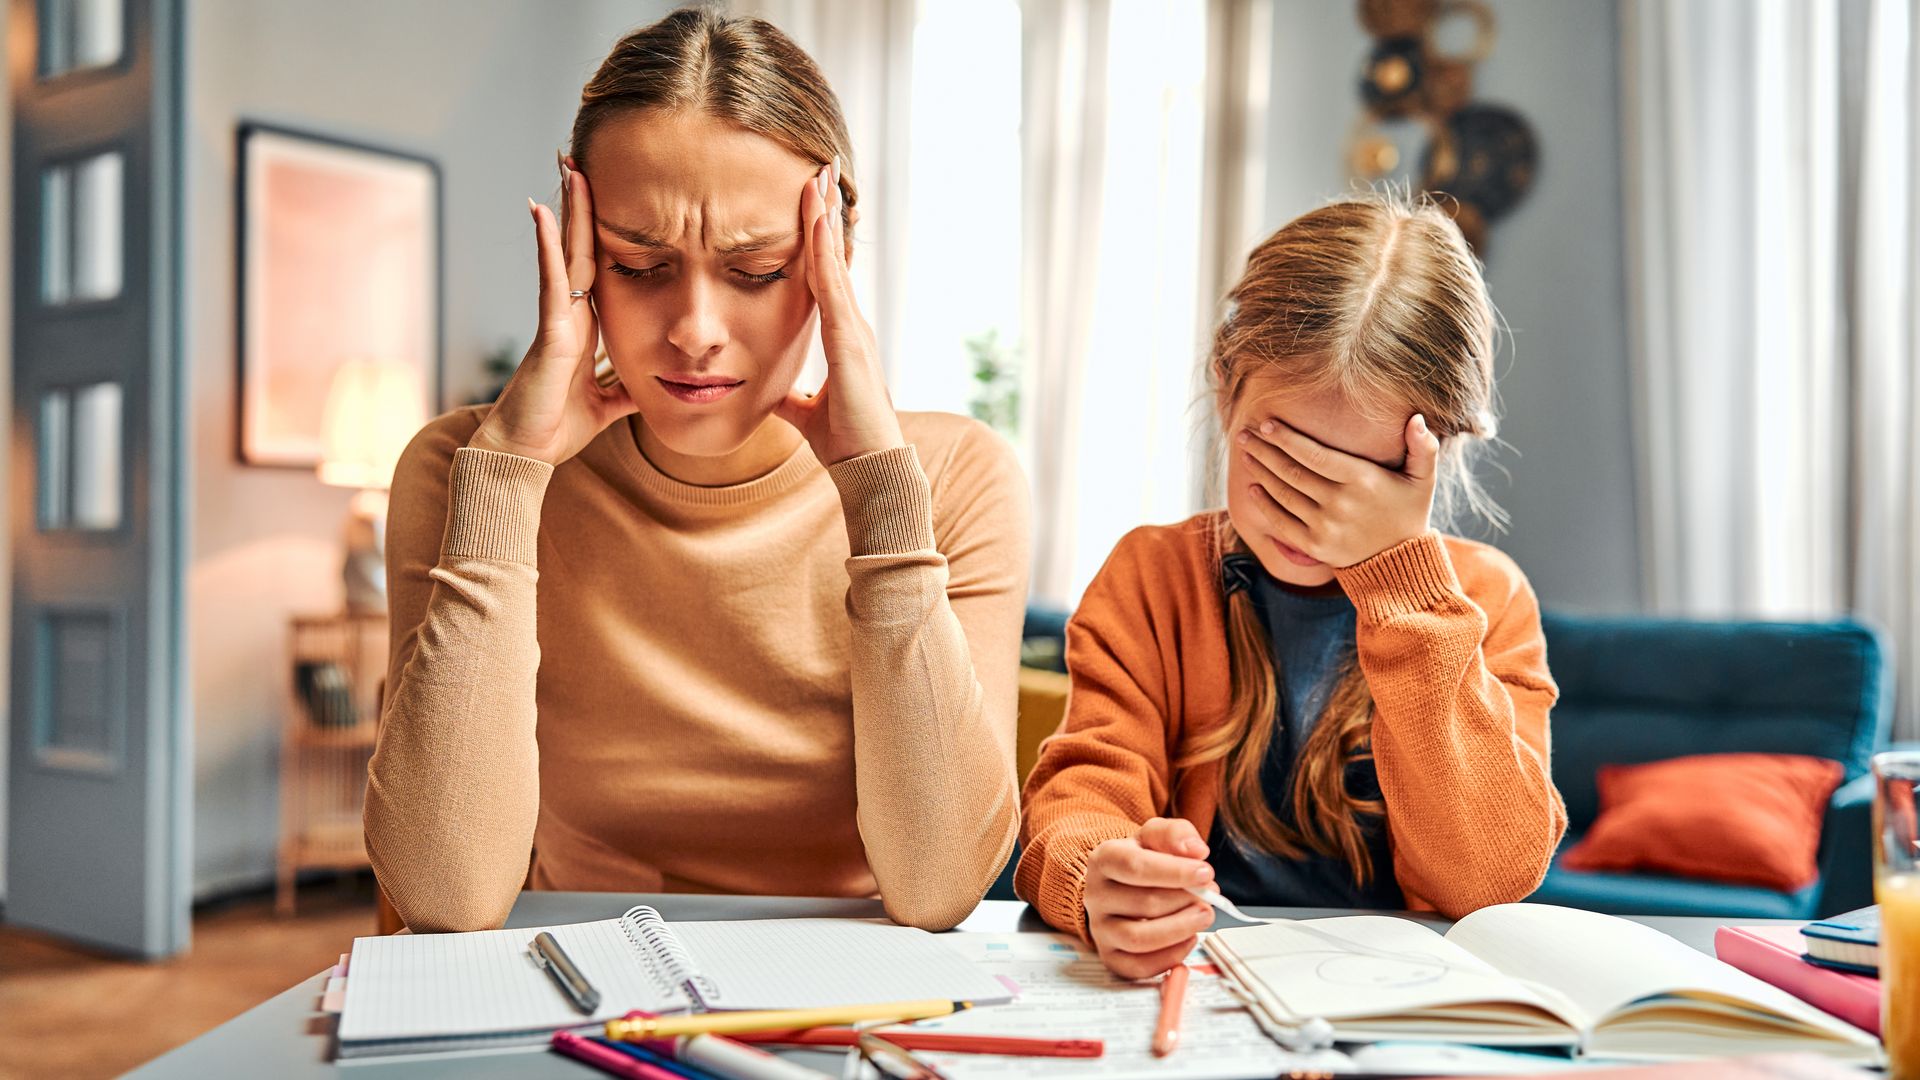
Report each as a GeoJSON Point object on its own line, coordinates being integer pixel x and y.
{"type": "Point", "coordinates": [740, 70]}
{"type": "Point", "coordinates": [1380, 301]}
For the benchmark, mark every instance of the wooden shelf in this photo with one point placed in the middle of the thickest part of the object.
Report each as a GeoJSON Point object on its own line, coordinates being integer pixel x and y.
{"type": "Point", "coordinates": [335, 665]}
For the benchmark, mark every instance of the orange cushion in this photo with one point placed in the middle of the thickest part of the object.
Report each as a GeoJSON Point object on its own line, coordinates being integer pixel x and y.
{"type": "Point", "coordinates": [1744, 819]}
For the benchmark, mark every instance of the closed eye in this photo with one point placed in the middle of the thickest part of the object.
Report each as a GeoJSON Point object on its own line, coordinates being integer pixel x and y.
{"type": "Point", "coordinates": [641, 273]}
{"type": "Point", "coordinates": [763, 279]}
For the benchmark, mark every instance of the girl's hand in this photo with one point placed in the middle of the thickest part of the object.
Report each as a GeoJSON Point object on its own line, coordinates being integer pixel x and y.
{"type": "Point", "coordinates": [1335, 507]}
{"type": "Point", "coordinates": [852, 414]}
{"type": "Point", "coordinates": [553, 408]}
{"type": "Point", "coordinates": [1143, 919]}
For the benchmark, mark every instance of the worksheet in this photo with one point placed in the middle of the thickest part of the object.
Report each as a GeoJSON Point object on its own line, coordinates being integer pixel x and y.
{"type": "Point", "coordinates": [1064, 992]}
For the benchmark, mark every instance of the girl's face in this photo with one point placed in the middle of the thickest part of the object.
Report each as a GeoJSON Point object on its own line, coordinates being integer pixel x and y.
{"type": "Point", "coordinates": [1326, 417]}
{"type": "Point", "coordinates": [700, 284]}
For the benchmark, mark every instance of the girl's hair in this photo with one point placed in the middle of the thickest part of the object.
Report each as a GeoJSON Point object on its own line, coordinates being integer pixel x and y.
{"type": "Point", "coordinates": [740, 70]}
{"type": "Point", "coordinates": [1379, 300]}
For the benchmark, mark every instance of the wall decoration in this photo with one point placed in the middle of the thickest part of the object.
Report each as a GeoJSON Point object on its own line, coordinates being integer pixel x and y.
{"type": "Point", "coordinates": [1418, 107]}
{"type": "Point", "coordinates": [338, 260]}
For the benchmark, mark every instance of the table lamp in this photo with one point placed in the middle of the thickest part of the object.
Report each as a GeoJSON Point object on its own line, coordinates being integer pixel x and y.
{"type": "Point", "coordinates": [373, 409]}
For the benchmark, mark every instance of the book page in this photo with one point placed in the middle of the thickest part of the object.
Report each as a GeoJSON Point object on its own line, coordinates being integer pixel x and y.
{"type": "Point", "coordinates": [437, 985]}
{"type": "Point", "coordinates": [815, 963]}
{"type": "Point", "coordinates": [1366, 967]}
{"type": "Point", "coordinates": [1606, 964]}
{"type": "Point", "coordinates": [1066, 993]}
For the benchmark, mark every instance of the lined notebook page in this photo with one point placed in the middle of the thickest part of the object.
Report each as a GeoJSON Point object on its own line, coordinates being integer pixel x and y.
{"type": "Point", "coordinates": [427, 985]}
{"type": "Point", "coordinates": [813, 963]}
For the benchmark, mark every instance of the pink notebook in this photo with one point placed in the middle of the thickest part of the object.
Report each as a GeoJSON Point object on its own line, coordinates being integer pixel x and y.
{"type": "Point", "coordinates": [1772, 954]}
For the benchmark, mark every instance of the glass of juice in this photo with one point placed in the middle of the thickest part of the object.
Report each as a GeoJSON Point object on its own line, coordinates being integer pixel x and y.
{"type": "Point", "coordinates": [1896, 888]}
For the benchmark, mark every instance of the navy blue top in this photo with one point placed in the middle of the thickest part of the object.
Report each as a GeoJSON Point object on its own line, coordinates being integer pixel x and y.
{"type": "Point", "coordinates": [1311, 635]}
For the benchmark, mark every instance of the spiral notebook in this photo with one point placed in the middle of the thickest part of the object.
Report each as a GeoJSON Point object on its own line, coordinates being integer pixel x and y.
{"type": "Point", "coordinates": [430, 993]}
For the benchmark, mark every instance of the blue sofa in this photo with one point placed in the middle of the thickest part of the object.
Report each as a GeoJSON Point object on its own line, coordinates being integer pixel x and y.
{"type": "Point", "coordinates": [1638, 690]}
{"type": "Point", "coordinates": [1634, 690]}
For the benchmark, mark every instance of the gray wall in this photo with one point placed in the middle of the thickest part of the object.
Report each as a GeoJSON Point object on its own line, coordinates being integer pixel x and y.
{"type": "Point", "coordinates": [486, 87]}
{"type": "Point", "coordinates": [1554, 267]}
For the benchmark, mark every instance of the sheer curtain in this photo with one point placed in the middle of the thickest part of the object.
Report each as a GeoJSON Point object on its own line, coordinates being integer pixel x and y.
{"type": "Point", "coordinates": [1141, 151]}
{"type": "Point", "coordinates": [865, 49]}
{"type": "Point", "coordinates": [1086, 176]}
{"type": "Point", "coordinates": [1771, 252]}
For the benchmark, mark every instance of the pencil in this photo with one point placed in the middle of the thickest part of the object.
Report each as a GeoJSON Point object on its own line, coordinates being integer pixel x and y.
{"type": "Point", "coordinates": [606, 1059]}
{"type": "Point", "coordinates": [1173, 995]}
{"type": "Point", "coordinates": [938, 1041]}
{"type": "Point", "coordinates": [730, 1023]}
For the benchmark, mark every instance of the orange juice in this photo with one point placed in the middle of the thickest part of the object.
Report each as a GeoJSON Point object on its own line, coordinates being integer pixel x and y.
{"type": "Point", "coordinates": [1899, 899]}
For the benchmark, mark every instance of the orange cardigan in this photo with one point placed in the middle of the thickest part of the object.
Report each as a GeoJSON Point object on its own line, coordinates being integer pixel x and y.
{"type": "Point", "coordinates": [1449, 640]}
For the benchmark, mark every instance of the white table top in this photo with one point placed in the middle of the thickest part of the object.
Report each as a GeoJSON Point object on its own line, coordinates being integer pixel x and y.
{"type": "Point", "coordinates": [288, 1036]}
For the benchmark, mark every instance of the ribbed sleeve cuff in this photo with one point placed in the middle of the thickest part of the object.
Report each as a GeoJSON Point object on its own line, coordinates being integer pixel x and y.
{"type": "Point", "coordinates": [1061, 896]}
{"type": "Point", "coordinates": [493, 506]}
{"type": "Point", "coordinates": [887, 502]}
{"type": "Point", "coordinates": [1414, 575]}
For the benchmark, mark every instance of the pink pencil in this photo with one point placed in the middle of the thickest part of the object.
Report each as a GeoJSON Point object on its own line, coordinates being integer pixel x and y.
{"type": "Point", "coordinates": [607, 1061]}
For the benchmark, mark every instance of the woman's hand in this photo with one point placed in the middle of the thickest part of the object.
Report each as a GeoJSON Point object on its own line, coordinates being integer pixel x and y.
{"type": "Point", "coordinates": [553, 407]}
{"type": "Point", "coordinates": [852, 414]}
{"type": "Point", "coordinates": [1335, 507]}
{"type": "Point", "coordinates": [1142, 918]}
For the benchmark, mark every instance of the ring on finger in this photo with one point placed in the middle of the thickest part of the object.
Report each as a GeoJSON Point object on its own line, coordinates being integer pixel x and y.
{"type": "Point", "coordinates": [577, 293]}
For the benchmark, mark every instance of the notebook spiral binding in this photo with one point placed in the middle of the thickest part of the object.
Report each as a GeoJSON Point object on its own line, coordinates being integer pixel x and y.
{"type": "Point", "coordinates": [672, 969]}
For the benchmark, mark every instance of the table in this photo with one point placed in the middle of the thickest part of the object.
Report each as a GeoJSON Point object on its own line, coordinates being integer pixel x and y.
{"type": "Point", "coordinates": [288, 1037]}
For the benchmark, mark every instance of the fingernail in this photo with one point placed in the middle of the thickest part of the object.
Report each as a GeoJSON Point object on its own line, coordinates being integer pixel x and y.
{"type": "Point", "coordinates": [1422, 421]}
{"type": "Point", "coordinates": [530, 203]}
{"type": "Point", "coordinates": [1241, 436]}
{"type": "Point", "coordinates": [825, 172]}
{"type": "Point", "coordinates": [1202, 874]}
{"type": "Point", "coordinates": [1266, 427]}
{"type": "Point", "coordinates": [836, 170]}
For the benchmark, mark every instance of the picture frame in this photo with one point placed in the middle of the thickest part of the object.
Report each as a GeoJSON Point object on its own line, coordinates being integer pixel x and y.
{"type": "Point", "coordinates": [338, 257]}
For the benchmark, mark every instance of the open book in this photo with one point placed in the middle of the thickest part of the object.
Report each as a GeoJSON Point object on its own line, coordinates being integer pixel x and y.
{"type": "Point", "coordinates": [423, 993]}
{"type": "Point", "coordinates": [1523, 975]}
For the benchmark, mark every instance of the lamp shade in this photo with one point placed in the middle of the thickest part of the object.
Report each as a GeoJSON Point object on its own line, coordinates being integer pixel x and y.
{"type": "Point", "coordinates": [373, 410]}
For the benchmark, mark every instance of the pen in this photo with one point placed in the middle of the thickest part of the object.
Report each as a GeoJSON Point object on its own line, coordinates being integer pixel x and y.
{"type": "Point", "coordinates": [549, 955]}
{"type": "Point", "coordinates": [1173, 995]}
{"type": "Point", "coordinates": [728, 1023]}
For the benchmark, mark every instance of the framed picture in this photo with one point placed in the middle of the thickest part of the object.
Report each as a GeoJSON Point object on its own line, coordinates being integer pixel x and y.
{"type": "Point", "coordinates": [338, 260]}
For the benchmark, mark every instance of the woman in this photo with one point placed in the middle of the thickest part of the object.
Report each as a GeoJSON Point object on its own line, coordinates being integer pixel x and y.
{"type": "Point", "coordinates": [694, 631]}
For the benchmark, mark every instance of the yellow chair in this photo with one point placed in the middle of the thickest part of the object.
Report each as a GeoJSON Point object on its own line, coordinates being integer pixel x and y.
{"type": "Point", "coordinates": [1043, 705]}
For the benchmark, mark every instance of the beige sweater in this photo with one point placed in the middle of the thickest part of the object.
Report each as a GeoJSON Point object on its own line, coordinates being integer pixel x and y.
{"type": "Point", "coordinates": [803, 685]}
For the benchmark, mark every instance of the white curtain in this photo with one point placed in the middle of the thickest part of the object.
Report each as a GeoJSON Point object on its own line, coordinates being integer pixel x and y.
{"type": "Point", "coordinates": [1771, 263]}
{"type": "Point", "coordinates": [865, 49]}
{"type": "Point", "coordinates": [1063, 160]}
{"type": "Point", "coordinates": [1141, 152]}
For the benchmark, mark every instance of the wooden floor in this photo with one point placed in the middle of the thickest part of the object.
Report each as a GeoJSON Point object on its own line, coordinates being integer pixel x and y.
{"type": "Point", "coordinates": [242, 955]}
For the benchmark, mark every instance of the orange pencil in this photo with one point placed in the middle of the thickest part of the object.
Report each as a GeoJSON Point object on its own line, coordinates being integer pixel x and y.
{"type": "Point", "coordinates": [1173, 994]}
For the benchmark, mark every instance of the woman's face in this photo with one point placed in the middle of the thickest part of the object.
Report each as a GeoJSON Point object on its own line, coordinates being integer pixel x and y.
{"type": "Point", "coordinates": [1325, 417]}
{"type": "Point", "coordinates": [700, 285]}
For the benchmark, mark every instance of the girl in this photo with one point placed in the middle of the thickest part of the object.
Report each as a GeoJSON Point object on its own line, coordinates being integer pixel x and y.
{"type": "Point", "coordinates": [1311, 699]}
{"type": "Point", "coordinates": [772, 640]}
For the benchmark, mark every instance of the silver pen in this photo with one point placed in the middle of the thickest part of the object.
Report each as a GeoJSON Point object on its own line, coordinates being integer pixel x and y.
{"type": "Point", "coordinates": [548, 954]}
